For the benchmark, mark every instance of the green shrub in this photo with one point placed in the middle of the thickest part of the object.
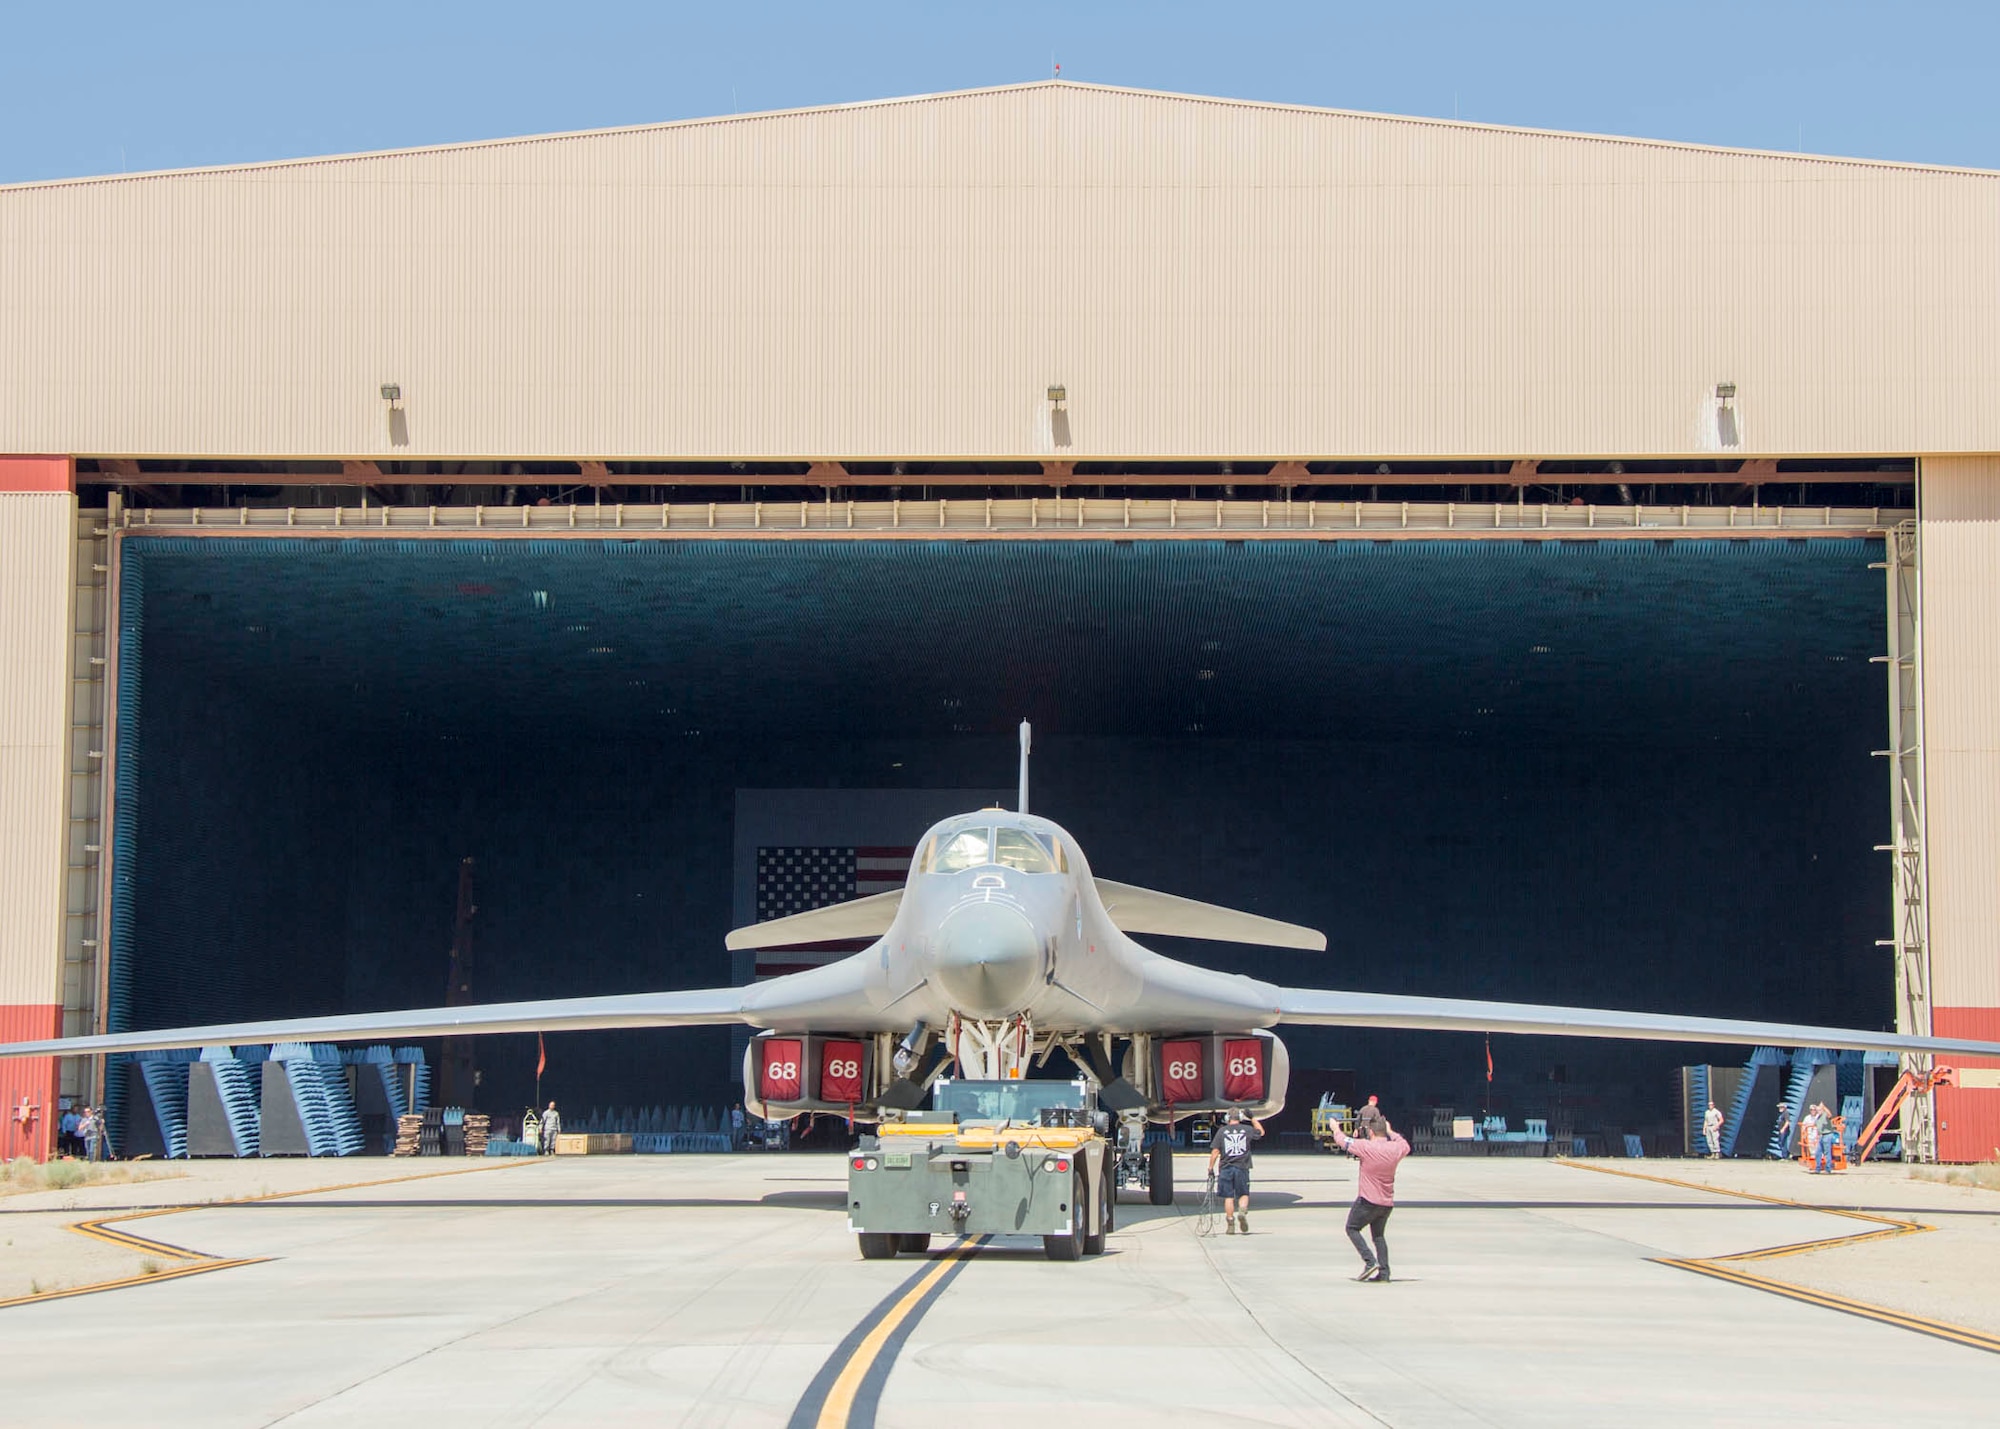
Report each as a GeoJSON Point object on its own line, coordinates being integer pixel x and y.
{"type": "Point", "coordinates": [61, 1175]}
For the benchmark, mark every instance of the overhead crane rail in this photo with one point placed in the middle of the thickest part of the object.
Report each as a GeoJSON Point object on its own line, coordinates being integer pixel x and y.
{"type": "Point", "coordinates": [1045, 517]}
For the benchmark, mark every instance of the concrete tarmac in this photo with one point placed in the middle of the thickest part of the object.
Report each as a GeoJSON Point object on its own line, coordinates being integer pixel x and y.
{"type": "Point", "coordinates": [712, 1290]}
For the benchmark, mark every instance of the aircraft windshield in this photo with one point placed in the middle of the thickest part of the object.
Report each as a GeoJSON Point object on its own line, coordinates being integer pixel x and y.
{"type": "Point", "coordinates": [1019, 849]}
{"type": "Point", "coordinates": [1019, 1102]}
{"type": "Point", "coordinates": [976, 848]}
{"type": "Point", "coordinates": [968, 848]}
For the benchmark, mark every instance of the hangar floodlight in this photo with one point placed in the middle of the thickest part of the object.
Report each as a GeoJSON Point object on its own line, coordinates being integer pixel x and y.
{"type": "Point", "coordinates": [1058, 394]}
{"type": "Point", "coordinates": [392, 392]}
{"type": "Point", "coordinates": [1725, 392]}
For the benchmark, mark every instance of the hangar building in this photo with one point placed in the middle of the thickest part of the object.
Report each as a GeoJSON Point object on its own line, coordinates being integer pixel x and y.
{"type": "Point", "coordinates": [1561, 567]}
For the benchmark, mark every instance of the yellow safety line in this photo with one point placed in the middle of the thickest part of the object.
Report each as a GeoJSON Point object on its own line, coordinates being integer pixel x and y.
{"type": "Point", "coordinates": [1850, 1213]}
{"type": "Point", "coordinates": [1720, 1267]}
{"type": "Point", "coordinates": [179, 1272]}
{"type": "Point", "coordinates": [100, 1230]}
{"type": "Point", "coordinates": [840, 1398]}
{"type": "Point", "coordinates": [200, 1262]}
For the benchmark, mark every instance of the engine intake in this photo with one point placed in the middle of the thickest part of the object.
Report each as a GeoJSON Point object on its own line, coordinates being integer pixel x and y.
{"type": "Point", "coordinates": [789, 1072]}
{"type": "Point", "coordinates": [1219, 1071]}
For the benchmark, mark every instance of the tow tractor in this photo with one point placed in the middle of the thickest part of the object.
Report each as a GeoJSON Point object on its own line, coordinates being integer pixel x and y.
{"type": "Point", "coordinates": [1015, 1157]}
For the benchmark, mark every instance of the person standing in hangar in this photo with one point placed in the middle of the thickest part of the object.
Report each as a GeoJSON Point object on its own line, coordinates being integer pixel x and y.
{"type": "Point", "coordinates": [1711, 1130]}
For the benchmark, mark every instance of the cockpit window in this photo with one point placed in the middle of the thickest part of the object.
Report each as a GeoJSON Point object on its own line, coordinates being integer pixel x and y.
{"type": "Point", "coordinates": [1022, 851]}
{"type": "Point", "coordinates": [968, 848]}
{"type": "Point", "coordinates": [982, 847]}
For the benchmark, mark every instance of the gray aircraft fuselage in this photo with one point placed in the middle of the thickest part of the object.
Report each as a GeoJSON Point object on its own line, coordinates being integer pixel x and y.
{"type": "Point", "coordinates": [989, 941]}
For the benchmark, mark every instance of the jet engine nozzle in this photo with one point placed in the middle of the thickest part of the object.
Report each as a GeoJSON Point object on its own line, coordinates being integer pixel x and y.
{"type": "Point", "coordinates": [987, 958]}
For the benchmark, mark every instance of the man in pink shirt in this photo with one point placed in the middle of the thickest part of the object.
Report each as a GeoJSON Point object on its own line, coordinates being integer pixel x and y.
{"type": "Point", "coordinates": [1378, 1151]}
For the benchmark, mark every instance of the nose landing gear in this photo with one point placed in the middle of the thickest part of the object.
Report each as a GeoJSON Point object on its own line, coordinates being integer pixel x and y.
{"type": "Point", "coordinates": [993, 1050]}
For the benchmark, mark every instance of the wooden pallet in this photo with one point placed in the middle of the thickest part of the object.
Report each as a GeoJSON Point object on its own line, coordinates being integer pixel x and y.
{"type": "Point", "coordinates": [409, 1132]}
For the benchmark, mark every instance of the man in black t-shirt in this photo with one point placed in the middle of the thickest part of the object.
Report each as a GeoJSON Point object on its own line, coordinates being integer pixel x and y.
{"type": "Point", "coordinates": [1229, 1164]}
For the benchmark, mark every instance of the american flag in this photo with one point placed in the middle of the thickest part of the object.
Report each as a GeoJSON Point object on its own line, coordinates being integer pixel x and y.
{"type": "Point", "coordinates": [796, 879]}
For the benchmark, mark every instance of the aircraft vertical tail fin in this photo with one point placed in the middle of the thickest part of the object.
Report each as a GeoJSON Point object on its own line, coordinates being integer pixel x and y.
{"type": "Point", "coordinates": [1026, 734]}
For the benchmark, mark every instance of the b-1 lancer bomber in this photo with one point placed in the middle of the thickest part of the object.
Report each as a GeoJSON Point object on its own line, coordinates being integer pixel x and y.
{"type": "Point", "coordinates": [1001, 948]}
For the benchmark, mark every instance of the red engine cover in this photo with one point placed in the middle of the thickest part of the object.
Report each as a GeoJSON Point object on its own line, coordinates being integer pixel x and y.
{"type": "Point", "coordinates": [840, 1072]}
{"type": "Point", "coordinates": [1181, 1079]}
{"type": "Point", "coordinates": [1243, 1069]}
{"type": "Point", "coordinates": [779, 1075]}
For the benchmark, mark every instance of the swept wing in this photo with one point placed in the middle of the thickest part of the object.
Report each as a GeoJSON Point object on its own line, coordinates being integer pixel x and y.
{"type": "Point", "coordinates": [1143, 910]}
{"type": "Point", "coordinates": [868, 917]}
{"type": "Point", "coordinates": [564, 1014]}
{"type": "Point", "coordinates": [1312, 1006]}
{"type": "Point", "coordinates": [831, 994]}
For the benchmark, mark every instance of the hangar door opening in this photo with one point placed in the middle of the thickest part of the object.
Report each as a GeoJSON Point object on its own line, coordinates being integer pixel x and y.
{"type": "Point", "coordinates": [1631, 773]}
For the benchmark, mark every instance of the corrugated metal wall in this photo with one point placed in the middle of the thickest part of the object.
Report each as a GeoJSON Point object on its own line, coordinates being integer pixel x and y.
{"type": "Point", "coordinates": [907, 278]}
{"type": "Point", "coordinates": [1959, 502]}
{"type": "Point", "coordinates": [1960, 506]}
{"type": "Point", "coordinates": [30, 1077]}
{"type": "Point", "coordinates": [37, 535]}
{"type": "Point", "coordinates": [1968, 1115]}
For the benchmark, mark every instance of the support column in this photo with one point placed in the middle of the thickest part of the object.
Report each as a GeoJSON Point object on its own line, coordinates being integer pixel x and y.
{"type": "Point", "coordinates": [1958, 503]}
{"type": "Point", "coordinates": [37, 554]}
{"type": "Point", "coordinates": [1905, 753]}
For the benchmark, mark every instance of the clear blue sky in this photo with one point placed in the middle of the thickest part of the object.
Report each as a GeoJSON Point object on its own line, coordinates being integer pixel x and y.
{"type": "Point", "coordinates": [96, 88]}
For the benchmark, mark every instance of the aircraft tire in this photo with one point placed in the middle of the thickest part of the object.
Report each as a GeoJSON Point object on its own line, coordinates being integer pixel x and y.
{"type": "Point", "coordinates": [1094, 1244]}
{"type": "Point", "coordinates": [1070, 1247]}
{"type": "Point", "coordinates": [876, 1245]}
{"type": "Point", "coordinates": [1160, 1173]}
{"type": "Point", "coordinates": [914, 1242]}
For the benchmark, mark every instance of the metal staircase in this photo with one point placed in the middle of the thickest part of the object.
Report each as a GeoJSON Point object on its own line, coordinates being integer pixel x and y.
{"type": "Point", "coordinates": [381, 1060]}
{"type": "Point", "coordinates": [166, 1084]}
{"type": "Point", "coordinates": [1805, 1062]}
{"type": "Point", "coordinates": [1697, 1105]}
{"type": "Point", "coordinates": [319, 1090]}
{"type": "Point", "coordinates": [236, 1083]}
{"type": "Point", "coordinates": [420, 1098]}
{"type": "Point", "coordinates": [1739, 1105]}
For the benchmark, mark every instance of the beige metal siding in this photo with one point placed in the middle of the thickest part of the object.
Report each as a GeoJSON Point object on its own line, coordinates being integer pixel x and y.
{"type": "Point", "coordinates": [37, 537]}
{"type": "Point", "coordinates": [907, 278]}
{"type": "Point", "coordinates": [1959, 499]}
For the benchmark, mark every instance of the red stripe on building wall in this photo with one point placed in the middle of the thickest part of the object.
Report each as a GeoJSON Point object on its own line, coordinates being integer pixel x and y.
{"type": "Point", "coordinates": [1968, 1117]}
{"type": "Point", "coordinates": [37, 473]}
{"type": "Point", "coordinates": [32, 1078]}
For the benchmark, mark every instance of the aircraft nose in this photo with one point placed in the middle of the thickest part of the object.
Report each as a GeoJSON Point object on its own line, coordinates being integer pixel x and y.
{"type": "Point", "coordinates": [987, 958]}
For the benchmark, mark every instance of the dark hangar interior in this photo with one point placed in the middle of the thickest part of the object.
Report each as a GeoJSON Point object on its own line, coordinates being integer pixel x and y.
{"type": "Point", "coordinates": [1619, 773]}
